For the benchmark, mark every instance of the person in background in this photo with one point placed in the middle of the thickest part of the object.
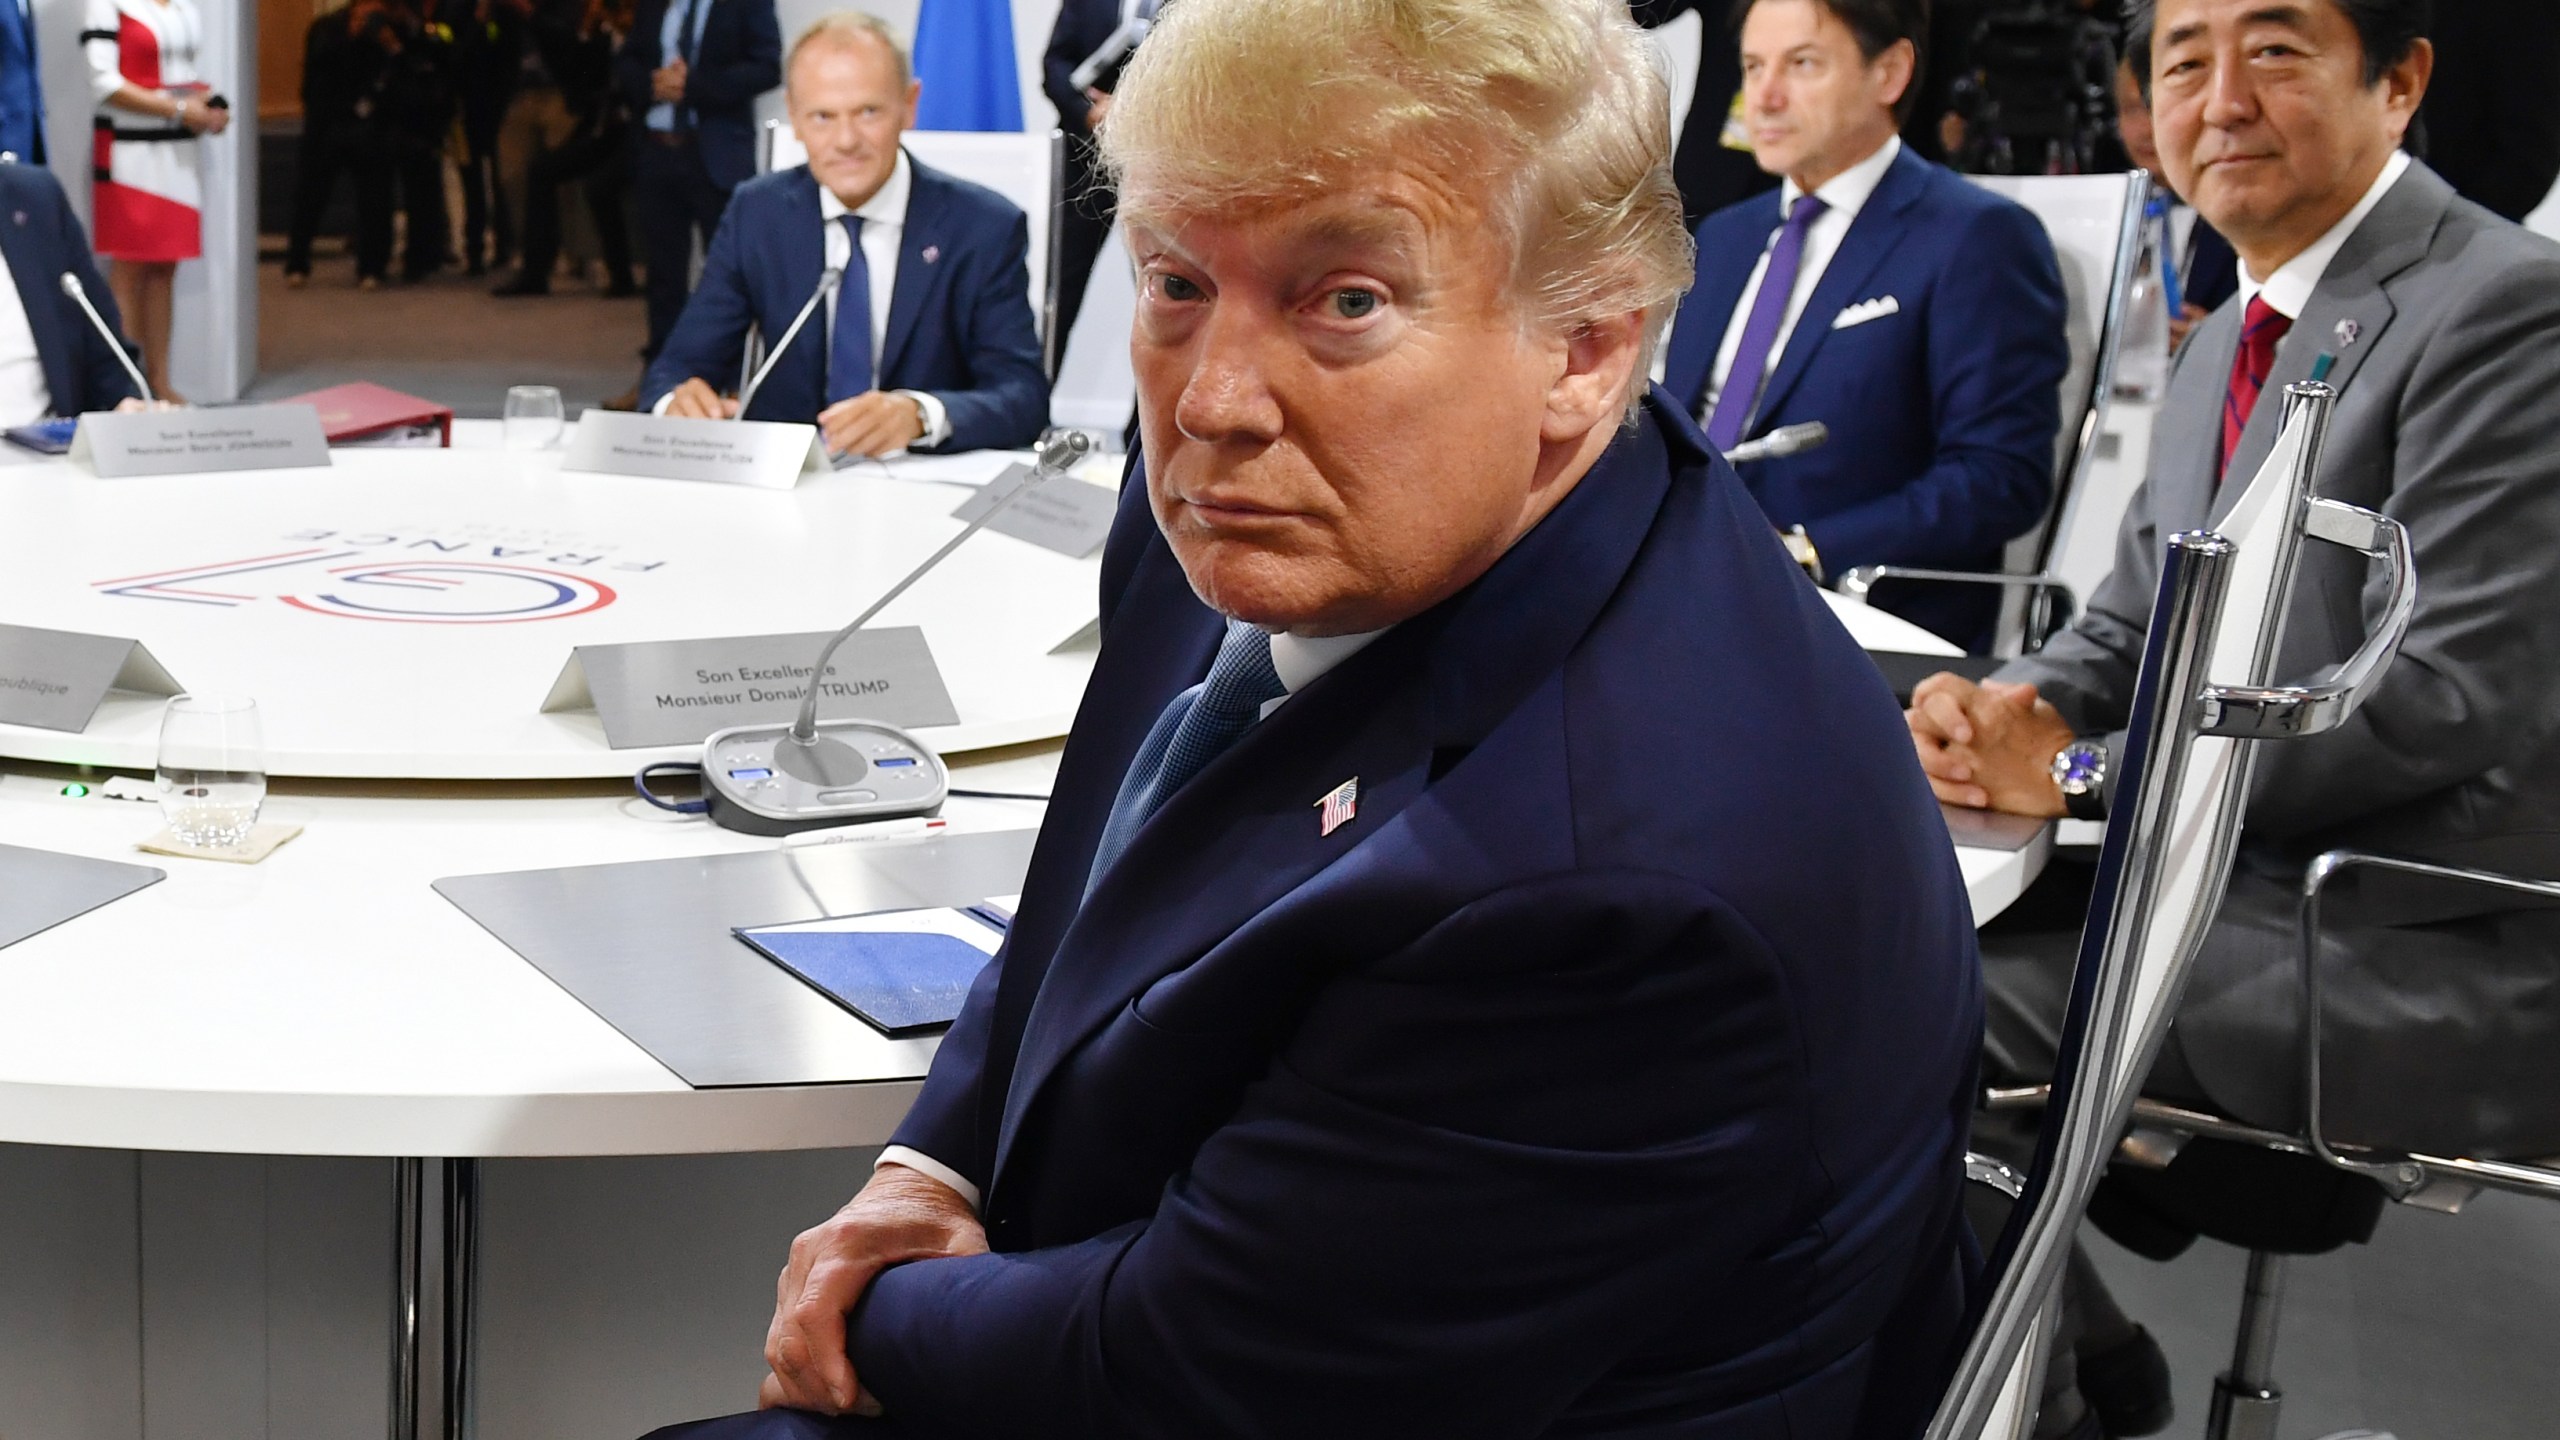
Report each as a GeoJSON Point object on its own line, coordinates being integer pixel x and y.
{"type": "Point", "coordinates": [417, 118]}
{"type": "Point", "coordinates": [148, 199]}
{"type": "Point", "coordinates": [2205, 269]}
{"type": "Point", "coordinates": [1084, 28]}
{"type": "Point", "coordinates": [1916, 314]}
{"type": "Point", "coordinates": [346, 63]}
{"type": "Point", "coordinates": [597, 152]}
{"type": "Point", "coordinates": [2492, 118]}
{"type": "Point", "coordinates": [692, 71]}
{"type": "Point", "coordinates": [488, 60]}
{"type": "Point", "coordinates": [1712, 162]}
{"type": "Point", "coordinates": [21, 84]}
{"type": "Point", "coordinates": [2434, 320]}
{"type": "Point", "coordinates": [52, 360]}
{"type": "Point", "coordinates": [928, 342]}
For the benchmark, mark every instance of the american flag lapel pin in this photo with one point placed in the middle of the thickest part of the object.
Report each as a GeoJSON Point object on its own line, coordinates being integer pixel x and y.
{"type": "Point", "coordinates": [1339, 807]}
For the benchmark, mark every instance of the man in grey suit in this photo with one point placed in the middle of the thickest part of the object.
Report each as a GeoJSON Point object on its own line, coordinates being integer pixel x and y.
{"type": "Point", "coordinates": [2282, 123]}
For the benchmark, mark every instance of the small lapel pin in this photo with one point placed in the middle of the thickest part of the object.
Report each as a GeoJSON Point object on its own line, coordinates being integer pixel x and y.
{"type": "Point", "coordinates": [2349, 332]}
{"type": "Point", "coordinates": [17, 217]}
{"type": "Point", "coordinates": [932, 253]}
{"type": "Point", "coordinates": [1339, 807]}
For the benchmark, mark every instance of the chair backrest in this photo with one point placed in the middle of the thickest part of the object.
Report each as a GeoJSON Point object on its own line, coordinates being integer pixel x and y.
{"type": "Point", "coordinates": [1024, 168]}
{"type": "Point", "coordinates": [2096, 225]}
{"type": "Point", "coordinates": [2179, 788]}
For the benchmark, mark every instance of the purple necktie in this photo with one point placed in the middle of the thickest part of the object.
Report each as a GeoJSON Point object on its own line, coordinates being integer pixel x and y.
{"type": "Point", "coordinates": [1751, 363]}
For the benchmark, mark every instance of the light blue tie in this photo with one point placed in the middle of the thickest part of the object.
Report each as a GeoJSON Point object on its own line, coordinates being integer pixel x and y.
{"type": "Point", "coordinates": [849, 352]}
{"type": "Point", "coordinates": [1195, 729]}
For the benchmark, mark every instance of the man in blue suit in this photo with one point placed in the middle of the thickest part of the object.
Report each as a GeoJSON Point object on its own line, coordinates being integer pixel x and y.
{"type": "Point", "coordinates": [1918, 316]}
{"type": "Point", "coordinates": [927, 341]}
{"type": "Point", "coordinates": [52, 360]}
{"type": "Point", "coordinates": [1435, 1006]}
{"type": "Point", "coordinates": [691, 70]}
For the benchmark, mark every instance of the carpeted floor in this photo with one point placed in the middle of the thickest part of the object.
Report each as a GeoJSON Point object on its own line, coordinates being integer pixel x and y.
{"type": "Point", "coordinates": [445, 339]}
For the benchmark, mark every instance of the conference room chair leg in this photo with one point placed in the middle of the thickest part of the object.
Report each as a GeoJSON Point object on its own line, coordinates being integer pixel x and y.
{"type": "Point", "coordinates": [2246, 1400]}
{"type": "Point", "coordinates": [408, 1247]}
{"type": "Point", "coordinates": [461, 1288]}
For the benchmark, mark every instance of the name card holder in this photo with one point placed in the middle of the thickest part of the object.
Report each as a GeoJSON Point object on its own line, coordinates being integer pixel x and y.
{"type": "Point", "coordinates": [55, 679]}
{"type": "Point", "coordinates": [116, 445]}
{"type": "Point", "coordinates": [1072, 517]}
{"type": "Point", "coordinates": [676, 692]}
{"type": "Point", "coordinates": [761, 453]}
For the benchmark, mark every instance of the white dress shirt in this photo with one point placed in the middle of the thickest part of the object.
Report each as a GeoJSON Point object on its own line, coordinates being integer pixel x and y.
{"type": "Point", "coordinates": [24, 397]}
{"type": "Point", "coordinates": [1846, 193]}
{"type": "Point", "coordinates": [2288, 291]}
{"type": "Point", "coordinates": [1299, 660]}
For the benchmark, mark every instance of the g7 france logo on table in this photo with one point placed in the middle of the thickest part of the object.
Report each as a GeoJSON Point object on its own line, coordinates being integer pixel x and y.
{"type": "Point", "coordinates": [424, 581]}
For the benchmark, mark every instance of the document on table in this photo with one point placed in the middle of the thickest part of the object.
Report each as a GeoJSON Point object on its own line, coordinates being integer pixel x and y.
{"type": "Point", "coordinates": [906, 972]}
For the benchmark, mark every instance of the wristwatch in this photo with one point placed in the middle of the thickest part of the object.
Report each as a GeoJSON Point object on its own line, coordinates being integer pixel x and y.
{"type": "Point", "coordinates": [2081, 772]}
{"type": "Point", "coordinates": [1800, 549]}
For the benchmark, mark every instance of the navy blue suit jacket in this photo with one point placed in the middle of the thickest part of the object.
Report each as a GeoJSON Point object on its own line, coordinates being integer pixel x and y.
{"type": "Point", "coordinates": [959, 322]}
{"type": "Point", "coordinates": [1607, 1074]}
{"type": "Point", "coordinates": [42, 239]}
{"type": "Point", "coordinates": [738, 58]}
{"type": "Point", "coordinates": [1943, 416]}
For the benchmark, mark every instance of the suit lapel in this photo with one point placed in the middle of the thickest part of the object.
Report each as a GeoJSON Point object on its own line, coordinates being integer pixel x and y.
{"type": "Point", "coordinates": [31, 271]}
{"type": "Point", "coordinates": [1244, 833]}
{"type": "Point", "coordinates": [920, 251]}
{"type": "Point", "coordinates": [1723, 274]}
{"type": "Point", "coordinates": [802, 241]}
{"type": "Point", "coordinates": [2349, 299]}
{"type": "Point", "coordinates": [1871, 238]}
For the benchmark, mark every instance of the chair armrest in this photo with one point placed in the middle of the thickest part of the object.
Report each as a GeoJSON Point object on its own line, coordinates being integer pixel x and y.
{"type": "Point", "coordinates": [2051, 603]}
{"type": "Point", "coordinates": [2251, 712]}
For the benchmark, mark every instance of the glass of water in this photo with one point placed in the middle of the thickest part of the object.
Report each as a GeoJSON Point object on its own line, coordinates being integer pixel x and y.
{"type": "Point", "coordinates": [213, 769]}
{"type": "Point", "coordinates": [535, 417]}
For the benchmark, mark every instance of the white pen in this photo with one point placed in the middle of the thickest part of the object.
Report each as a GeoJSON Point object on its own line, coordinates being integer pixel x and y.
{"type": "Point", "coordinates": [900, 829]}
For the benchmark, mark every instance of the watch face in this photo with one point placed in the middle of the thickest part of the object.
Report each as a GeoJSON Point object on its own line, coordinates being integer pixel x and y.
{"type": "Point", "coordinates": [2078, 767]}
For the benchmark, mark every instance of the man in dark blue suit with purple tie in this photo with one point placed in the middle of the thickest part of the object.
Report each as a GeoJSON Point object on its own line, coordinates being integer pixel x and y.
{"type": "Point", "coordinates": [927, 342]}
{"type": "Point", "coordinates": [1492, 966]}
{"type": "Point", "coordinates": [1915, 314]}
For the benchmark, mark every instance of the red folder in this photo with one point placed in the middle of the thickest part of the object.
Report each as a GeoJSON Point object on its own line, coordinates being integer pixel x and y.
{"type": "Point", "coordinates": [364, 411]}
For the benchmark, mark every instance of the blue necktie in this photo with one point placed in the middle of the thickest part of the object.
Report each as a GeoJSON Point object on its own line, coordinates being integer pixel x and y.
{"type": "Point", "coordinates": [1750, 371]}
{"type": "Point", "coordinates": [849, 351]}
{"type": "Point", "coordinates": [1195, 729]}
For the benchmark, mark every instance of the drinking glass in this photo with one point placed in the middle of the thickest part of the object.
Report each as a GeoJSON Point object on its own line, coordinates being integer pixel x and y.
{"type": "Point", "coordinates": [534, 417]}
{"type": "Point", "coordinates": [213, 769]}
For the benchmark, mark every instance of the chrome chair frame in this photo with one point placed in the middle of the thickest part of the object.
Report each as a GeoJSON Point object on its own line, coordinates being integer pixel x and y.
{"type": "Point", "coordinates": [2049, 604]}
{"type": "Point", "coordinates": [2113, 1032]}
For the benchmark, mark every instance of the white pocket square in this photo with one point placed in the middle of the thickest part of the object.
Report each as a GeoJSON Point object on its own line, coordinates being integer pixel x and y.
{"type": "Point", "coordinates": [1866, 310]}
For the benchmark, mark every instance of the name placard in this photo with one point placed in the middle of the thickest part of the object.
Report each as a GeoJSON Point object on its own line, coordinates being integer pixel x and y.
{"type": "Point", "coordinates": [1067, 515]}
{"type": "Point", "coordinates": [762, 453]}
{"type": "Point", "coordinates": [54, 679]}
{"type": "Point", "coordinates": [200, 442]}
{"type": "Point", "coordinates": [676, 692]}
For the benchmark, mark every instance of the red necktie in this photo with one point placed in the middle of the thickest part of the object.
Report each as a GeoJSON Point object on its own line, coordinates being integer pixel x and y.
{"type": "Point", "coordinates": [2260, 329]}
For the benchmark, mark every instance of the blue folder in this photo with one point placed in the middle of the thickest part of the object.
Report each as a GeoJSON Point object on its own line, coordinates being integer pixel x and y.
{"type": "Point", "coordinates": [902, 982]}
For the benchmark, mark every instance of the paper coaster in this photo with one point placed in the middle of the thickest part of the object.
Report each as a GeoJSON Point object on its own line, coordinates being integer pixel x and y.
{"type": "Point", "coordinates": [262, 842]}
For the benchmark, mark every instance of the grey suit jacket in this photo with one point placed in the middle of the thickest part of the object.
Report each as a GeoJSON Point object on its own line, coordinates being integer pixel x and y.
{"type": "Point", "coordinates": [2443, 1011]}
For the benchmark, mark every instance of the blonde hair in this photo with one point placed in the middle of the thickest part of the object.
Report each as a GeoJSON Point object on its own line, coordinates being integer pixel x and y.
{"type": "Point", "coordinates": [848, 27]}
{"type": "Point", "coordinates": [1551, 113]}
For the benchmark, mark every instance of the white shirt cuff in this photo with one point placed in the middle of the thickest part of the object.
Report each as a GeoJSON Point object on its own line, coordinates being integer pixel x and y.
{"type": "Point", "coordinates": [663, 402]}
{"type": "Point", "coordinates": [937, 428]}
{"type": "Point", "coordinates": [924, 1164]}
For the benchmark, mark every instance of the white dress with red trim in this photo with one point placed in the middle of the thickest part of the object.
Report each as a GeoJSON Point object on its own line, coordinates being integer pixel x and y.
{"type": "Point", "coordinates": [147, 202]}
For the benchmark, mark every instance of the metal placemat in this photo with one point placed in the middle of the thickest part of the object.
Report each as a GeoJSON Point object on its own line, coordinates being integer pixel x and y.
{"type": "Point", "coordinates": [647, 947]}
{"type": "Point", "coordinates": [40, 889]}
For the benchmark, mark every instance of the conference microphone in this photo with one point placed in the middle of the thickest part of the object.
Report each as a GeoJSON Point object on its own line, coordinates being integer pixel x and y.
{"type": "Point", "coordinates": [776, 779]}
{"type": "Point", "coordinates": [828, 280]}
{"type": "Point", "coordinates": [72, 287]}
{"type": "Point", "coordinates": [1780, 443]}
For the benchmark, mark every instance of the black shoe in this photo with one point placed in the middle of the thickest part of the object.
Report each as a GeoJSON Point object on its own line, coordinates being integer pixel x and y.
{"type": "Point", "coordinates": [522, 285]}
{"type": "Point", "coordinates": [621, 289]}
{"type": "Point", "coordinates": [2127, 1387]}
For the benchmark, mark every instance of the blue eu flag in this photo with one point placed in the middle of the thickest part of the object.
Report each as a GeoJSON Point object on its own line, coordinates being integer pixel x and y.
{"type": "Point", "coordinates": [964, 56]}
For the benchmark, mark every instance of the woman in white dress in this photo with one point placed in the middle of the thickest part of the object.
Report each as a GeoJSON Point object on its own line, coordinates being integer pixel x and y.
{"type": "Point", "coordinates": [148, 198]}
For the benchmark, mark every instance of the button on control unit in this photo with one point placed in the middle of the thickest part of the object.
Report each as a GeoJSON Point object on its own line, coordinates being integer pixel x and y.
{"type": "Point", "coordinates": [762, 782]}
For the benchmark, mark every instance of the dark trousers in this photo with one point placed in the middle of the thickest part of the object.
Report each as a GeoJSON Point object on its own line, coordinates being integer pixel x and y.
{"type": "Point", "coordinates": [485, 221]}
{"type": "Point", "coordinates": [677, 202]}
{"type": "Point", "coordinates": [327, 148]}
{"type": "Point", "coordinates": [421, 170]}
{"type": "Point", "coordinates": [603, 161]}
{"type": "Point", "coordinates": [1082, 231]}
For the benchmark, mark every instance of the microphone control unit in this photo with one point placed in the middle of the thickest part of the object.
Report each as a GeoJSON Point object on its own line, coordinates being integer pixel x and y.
{"type": "Point", "coordinates": [759, 781]}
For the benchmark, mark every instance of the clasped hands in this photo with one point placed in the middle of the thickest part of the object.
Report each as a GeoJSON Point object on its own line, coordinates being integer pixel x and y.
{"type": "Point", "coordinates": [878, 422]}
{"type": "Point", "coordinates": [901, 1215]}
{"type": "Point", "coordinates": [1989, 746]}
